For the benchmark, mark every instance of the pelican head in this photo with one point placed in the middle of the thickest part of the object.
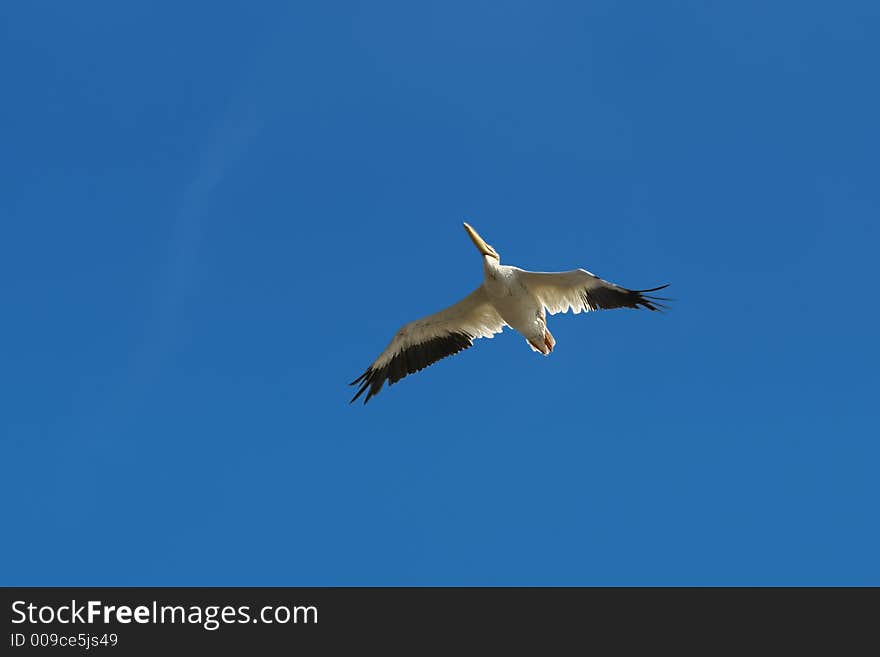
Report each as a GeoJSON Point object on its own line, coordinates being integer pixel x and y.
{"type": "Point", "coordinates": [480, 243]}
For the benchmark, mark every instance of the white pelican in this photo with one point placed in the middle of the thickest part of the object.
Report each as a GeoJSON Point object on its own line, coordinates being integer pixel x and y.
{"type": "Point", "coordinates": [508, 296]}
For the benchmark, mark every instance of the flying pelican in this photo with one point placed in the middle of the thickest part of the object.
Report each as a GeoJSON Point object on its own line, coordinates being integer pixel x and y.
{"type": "Point", "coordinates": [508, 296]}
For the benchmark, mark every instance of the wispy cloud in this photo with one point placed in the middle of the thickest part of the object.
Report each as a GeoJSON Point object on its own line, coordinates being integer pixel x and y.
{"type": "Point", "coordinates": [177, 273]}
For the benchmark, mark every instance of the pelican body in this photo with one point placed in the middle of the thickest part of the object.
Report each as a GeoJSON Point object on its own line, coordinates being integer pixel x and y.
{"type": "Point", "coordinates": [508, 296]}
{"type": "Point", "coordinates": [516, 304]}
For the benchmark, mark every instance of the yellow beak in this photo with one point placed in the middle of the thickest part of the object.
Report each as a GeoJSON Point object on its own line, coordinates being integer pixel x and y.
{"type": "Point", "coordinates": [479, 242]}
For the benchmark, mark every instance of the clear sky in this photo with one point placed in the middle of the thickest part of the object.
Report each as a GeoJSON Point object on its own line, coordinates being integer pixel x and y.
{"type": "Point", "coordinates": [215, 215]}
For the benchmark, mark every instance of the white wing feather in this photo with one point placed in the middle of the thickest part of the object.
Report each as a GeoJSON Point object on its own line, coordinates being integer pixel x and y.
{"type": "Point", "coordinates": [474, 316]}
{"type": "Point", "coordinates": [580, 291]}
{"type": "Point", "coordinates": [429, 339]}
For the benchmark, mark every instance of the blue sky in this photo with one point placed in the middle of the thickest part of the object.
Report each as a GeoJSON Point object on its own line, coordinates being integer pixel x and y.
{"type": "Point", "coordinates": [216, 215]}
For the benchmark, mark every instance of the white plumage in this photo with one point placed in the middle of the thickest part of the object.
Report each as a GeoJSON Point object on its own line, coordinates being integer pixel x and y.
{"type": "Point", "coordinates": [474, 316]}
{"type": "Point", "coordinates": [508, 296]}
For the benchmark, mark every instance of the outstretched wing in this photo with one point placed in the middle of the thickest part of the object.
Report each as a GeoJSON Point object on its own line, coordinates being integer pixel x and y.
{"type": "Point", "coordinates": [427, 340]}
{"type": "Point", "coordinates": [581, 291]}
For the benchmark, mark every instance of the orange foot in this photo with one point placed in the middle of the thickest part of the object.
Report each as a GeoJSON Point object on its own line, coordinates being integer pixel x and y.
{"type": "Point", "coordinates": [547, 346]}
{"type": "Point", "coordinates": [549, 341]}
{"type": "Point", "coordinates": [540, 348]}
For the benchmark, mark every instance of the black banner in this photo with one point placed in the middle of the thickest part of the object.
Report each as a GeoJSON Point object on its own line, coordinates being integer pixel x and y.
{"type": "Point", "coordinates": [119, 621]}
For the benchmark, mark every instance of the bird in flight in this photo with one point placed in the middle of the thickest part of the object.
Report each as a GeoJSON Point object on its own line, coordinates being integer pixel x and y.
{"type": "Point", "coordinates": [508, 296]}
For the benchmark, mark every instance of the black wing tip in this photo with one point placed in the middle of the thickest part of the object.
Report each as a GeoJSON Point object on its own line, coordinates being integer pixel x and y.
{"type": "Point", "coordinates": [654, 289]}
{"type": "Point", "coordinates": [365, 380]}
{"type": "Point", "coordinates": [412, 360]}
{"type": "Point", "coordinates": [614, 296]}
{"type": "Point", "coordinates": [650, 301]}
